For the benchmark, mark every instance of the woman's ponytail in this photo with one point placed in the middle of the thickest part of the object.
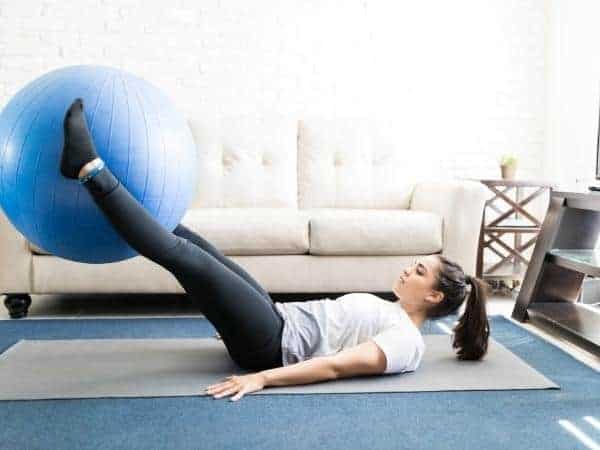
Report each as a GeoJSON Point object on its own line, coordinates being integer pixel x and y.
{"type": "Point", "coordinates": [473, 329]}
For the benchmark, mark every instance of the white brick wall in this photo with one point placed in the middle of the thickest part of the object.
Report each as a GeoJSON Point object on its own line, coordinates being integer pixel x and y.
{"type": "Point", "coordinates": [465, 79]}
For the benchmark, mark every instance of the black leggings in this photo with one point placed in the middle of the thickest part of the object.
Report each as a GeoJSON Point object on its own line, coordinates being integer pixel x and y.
{"type": "Point", "coordinates": [237, 306]}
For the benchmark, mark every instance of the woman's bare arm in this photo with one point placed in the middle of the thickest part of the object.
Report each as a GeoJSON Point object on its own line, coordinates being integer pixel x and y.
{"type": "Point", "coordinates": [363, 359]}
{"type": "Point", "coordinates": [312, 370]}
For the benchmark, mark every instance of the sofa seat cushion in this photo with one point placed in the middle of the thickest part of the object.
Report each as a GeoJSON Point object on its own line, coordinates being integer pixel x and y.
{"type": "Point", "coordinates": [251, 231]}
{"type": "Point", "coordinates": [246, 231]}
{"type": "Point", "coordinates": [374, 232]}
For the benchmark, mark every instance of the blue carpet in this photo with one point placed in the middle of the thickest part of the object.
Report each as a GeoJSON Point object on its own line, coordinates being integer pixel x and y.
{"type": "Point", "coordinates": [407, 420]}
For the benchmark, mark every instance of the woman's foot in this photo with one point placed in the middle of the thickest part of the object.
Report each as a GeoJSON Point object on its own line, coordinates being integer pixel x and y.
{"type": "Point", "coordinates": [79, 148]}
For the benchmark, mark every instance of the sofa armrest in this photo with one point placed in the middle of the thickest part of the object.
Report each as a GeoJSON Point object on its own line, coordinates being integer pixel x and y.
{"type": "Point", "coordinates": [15, 259]}
{"type": "Point", "coordinates": [461, 204]}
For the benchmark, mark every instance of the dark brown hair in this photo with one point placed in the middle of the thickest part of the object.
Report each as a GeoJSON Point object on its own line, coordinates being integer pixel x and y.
{"type": "Point", "coordinates": [473, 329]}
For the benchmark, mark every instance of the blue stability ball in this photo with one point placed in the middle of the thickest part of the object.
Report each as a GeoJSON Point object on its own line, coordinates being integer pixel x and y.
{"type": "Point", "coordinates": [137, 131]}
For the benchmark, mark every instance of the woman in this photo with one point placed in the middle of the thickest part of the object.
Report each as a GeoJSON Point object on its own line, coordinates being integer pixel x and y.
{"type": "Point", "coordinates": [294, 342]}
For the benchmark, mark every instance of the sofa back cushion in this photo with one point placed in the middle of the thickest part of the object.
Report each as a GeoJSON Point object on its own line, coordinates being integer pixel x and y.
{"type": "Point", "coordinates": [353, 162]}
{"type": "Point", "coordinates": [375, 232]}
{"type": "Point", "coordinates": [246, 161]}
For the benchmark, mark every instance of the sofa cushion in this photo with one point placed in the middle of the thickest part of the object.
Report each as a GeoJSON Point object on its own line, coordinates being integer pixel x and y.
{"type": "Point", "coordinates": [246, 161]}
{"type": "Point", "coordinates": [356, 163]}
{"type": "Point", "coordinates": [246, 231]}
{"type": "Point", "coordinates": [251, 231]}
{"type": "Point", "coordinates": [374, 232]}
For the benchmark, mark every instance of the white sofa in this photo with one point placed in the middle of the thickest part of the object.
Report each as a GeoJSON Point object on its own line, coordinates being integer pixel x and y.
{"type": "Point", "coordinates": [320, 205]}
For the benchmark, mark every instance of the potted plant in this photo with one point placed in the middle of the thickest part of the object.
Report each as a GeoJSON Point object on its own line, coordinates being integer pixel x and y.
{"type": "Point", "coordinates": [508, 166]}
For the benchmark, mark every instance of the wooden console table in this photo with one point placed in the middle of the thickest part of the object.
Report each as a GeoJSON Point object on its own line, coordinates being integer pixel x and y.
{"type": "Point", "coordinates": [565, 252]}
{"type": "Point", "coordinates": [516, 220]}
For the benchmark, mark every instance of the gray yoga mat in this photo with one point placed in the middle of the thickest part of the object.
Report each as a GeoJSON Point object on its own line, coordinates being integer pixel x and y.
{"type": "Point", "coordinates": [93, 368]}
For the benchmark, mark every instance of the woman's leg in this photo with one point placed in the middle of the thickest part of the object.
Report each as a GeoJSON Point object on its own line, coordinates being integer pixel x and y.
{"type": "Point", "coordinates": [248, 323]}
{"type": "Point", "coordinates": [183, 231]}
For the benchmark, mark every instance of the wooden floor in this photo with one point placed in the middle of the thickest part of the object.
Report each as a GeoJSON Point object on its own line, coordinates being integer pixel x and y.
{"type": "Point", "coordinates": [130, 306]}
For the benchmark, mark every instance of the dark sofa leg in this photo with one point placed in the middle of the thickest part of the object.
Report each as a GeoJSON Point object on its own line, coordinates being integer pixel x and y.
{"type": "Point", "coordinates": [17, 305]}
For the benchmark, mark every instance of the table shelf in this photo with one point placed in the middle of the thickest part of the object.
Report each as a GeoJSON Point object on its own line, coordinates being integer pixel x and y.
{"type": "Point", "coordinates": [516, 223]}
{"type": "Point", "coordinates": [581, 260]}
{"type": "Point", "coordinates": [513, 229]}
{"type": "Point", "coordinates": [577, 319]}
{"type": "Point", "coordinates": [564, 254]}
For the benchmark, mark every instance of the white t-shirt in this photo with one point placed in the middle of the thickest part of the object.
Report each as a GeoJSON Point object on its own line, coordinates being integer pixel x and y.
{"type": "Point", "coordinates": [324, 327]}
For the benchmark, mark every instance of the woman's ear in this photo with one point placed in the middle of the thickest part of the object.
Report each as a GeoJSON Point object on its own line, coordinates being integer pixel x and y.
{"type": "Point", "coordinates": [434, 296]}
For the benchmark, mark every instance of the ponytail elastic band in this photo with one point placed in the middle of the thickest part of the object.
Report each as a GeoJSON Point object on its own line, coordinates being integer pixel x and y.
{"type": "Point", "coordinates": [92, 172]}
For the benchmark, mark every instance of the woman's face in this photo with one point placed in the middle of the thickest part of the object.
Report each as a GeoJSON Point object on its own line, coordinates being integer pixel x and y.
{"type": "Point", "coordinates": [415, 283]}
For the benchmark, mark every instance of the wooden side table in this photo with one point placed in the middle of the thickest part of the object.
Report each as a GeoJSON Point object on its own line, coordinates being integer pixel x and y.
{"type": "Point", "coordinates": [517, 221]}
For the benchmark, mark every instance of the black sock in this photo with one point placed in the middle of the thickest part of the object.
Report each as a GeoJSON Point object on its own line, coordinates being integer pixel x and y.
{"type": "Point", "coordinates": [79, 148]}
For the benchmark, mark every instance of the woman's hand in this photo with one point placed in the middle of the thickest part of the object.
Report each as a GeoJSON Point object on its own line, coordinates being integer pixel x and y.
{"type": "Point", "coordinates": [237, 384]}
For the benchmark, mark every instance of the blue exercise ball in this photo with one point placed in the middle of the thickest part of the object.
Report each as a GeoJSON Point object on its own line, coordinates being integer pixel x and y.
{"type": "Point", "coordinates": [137, 131]}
